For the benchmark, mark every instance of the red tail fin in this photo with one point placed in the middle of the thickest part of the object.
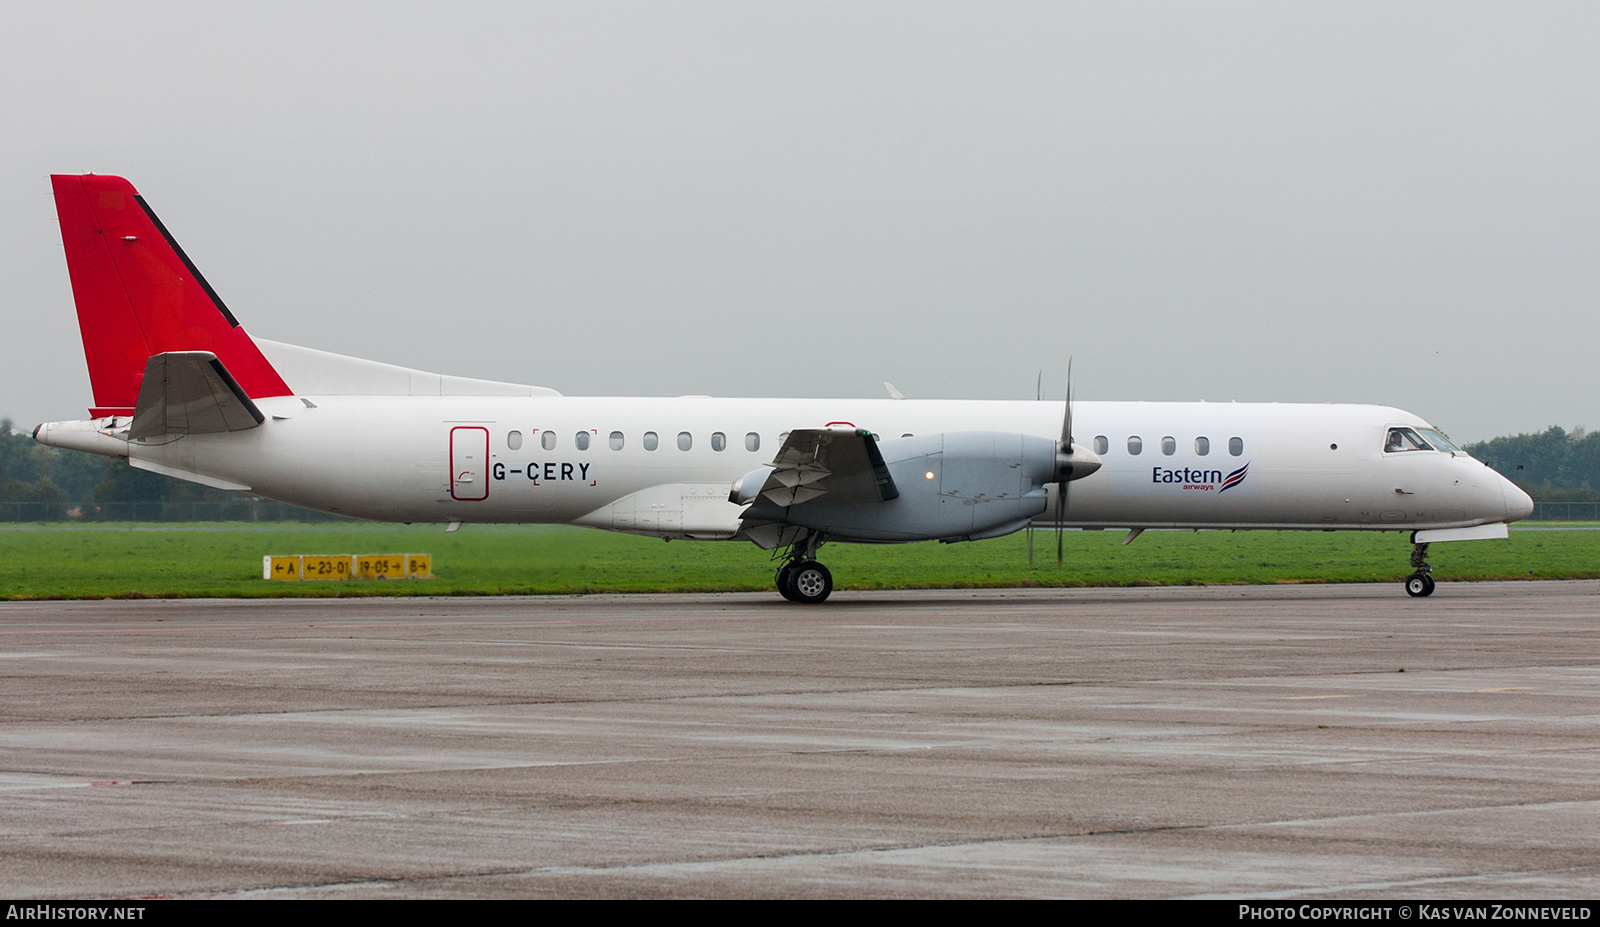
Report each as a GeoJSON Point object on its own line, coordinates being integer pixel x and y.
{"type": "Point", "coordinates": [138, 295]}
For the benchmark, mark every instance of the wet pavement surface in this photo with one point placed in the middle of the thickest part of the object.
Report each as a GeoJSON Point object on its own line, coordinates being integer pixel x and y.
{"type": "Point", "coordinates": [1268, 741]}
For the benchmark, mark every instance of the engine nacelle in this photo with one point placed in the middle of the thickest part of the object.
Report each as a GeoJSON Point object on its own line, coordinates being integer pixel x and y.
{"type": "Point", "coordinates": [745, 488]}
{"type": "Point", "coordinates": [957, 486]}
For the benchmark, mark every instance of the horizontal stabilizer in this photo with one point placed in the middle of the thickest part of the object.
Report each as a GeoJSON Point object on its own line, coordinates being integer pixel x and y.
{"type": "Point", "coordinates": [190, 393]}
{"type": "Point", "coordinates": [215, 482]}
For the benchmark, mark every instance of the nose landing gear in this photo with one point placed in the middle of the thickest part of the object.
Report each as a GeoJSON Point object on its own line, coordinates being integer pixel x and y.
{"type": "Point", "coordinates": [1420, 583]}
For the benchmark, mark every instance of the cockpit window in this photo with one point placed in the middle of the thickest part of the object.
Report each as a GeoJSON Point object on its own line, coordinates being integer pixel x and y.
{"type": "Point", "coordinates": [1439, 440]}
{"type": "Point", "coordinates": [1404, 439]}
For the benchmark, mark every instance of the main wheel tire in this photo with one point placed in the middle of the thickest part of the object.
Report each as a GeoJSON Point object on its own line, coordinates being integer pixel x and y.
{"type": "Point", "coordinates": [811, 583]}
{"type": "Point", "coordinates": [785, 581]}
{"type": "Point", "coordinates": [1428, 581]}
{"type": "Point", "coordinates": [1418, 585]}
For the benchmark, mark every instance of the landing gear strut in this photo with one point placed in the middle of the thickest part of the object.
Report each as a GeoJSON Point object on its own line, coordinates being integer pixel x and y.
{"type": "Point", "coordinates": [1420, 582]}
{"type": "Point", "coordinates": [801, 578]}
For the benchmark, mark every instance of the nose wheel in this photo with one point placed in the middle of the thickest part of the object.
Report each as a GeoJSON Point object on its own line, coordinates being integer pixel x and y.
{"type": "Point", "coordinates": [1420, 583]}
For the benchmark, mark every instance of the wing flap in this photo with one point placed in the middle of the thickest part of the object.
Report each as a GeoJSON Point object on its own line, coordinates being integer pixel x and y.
{"type": "Point", "coordinates": [841, 466]}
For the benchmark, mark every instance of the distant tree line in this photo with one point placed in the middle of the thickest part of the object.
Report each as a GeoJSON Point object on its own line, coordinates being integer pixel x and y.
{"type": "Point", "coordinates": [1554, 465]}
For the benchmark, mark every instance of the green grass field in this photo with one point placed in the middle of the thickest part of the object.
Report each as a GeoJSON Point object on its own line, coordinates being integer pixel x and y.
{"type": "Point", "coordinates": [145, 560]}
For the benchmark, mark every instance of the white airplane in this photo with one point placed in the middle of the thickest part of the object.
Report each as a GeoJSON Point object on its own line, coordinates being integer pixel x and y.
{"type": "Point", "coordinates": [180, 389]}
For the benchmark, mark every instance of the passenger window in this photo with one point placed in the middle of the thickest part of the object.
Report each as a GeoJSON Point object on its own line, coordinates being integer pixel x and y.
{"type": "Point", "coordinates": [752, 442]}
{"type": "Point", "coordinates": [908, 435]}
{"type": "Point", "coordinates": [783, 437]}
{"type": "Point", "coordinates": [685, 440]}
{"type": "Point", "coordinates": [548, 440]}
{"type": "Point", "coordinates": [581, 439]}
{"type": "Point", "coordinates": [1202, 446]}
{"type": "Point", "coordinates": [718, 440]}
{"type": "Point", "coordinates": [1169, 445]}
{"type": "Point", "coordinates": [514, 440]}
{"type": "Point", "coordinates": [1236, 446]}
{"type": "Point", "coordinates": [616, 440]}
{"type": "Point", "coordinates": [1101, 444]}
{"type": "Point", "coordinates": [1404, 439]}
{"type": "Point", "coordinates": [1135, 445]}
{"type": "Point", "coordinates": [650, 440]}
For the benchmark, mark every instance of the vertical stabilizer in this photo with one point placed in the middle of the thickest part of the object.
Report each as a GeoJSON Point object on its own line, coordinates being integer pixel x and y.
{"type": "Point", "coordinates": [139, 295]}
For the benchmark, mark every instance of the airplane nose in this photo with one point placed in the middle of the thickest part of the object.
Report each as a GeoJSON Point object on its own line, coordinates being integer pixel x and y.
{"type": "Point", "coordinates": [1519, 504]}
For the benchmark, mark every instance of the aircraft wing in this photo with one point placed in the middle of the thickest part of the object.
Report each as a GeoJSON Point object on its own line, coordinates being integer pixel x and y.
{"type": "Point", "coordinates": [190, 393]}
{"type": "Point", "coordinates": [844, 466]}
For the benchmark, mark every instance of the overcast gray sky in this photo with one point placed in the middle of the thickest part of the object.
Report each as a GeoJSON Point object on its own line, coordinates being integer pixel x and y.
{"type": "Point", "coordinates": [1374, 202]}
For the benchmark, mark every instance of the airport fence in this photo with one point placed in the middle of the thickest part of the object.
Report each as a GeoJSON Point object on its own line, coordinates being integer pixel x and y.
{"type": "Point", "coordinates": [1566, 511]}
{"type": "Point", "coordinates": [248, 509]}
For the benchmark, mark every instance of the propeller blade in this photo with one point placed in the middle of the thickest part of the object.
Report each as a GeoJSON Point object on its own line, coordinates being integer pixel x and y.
{"type": "Point", "coordinates": [1066, 421]}
{"type": "Point", "coordinates": [1061, 516]}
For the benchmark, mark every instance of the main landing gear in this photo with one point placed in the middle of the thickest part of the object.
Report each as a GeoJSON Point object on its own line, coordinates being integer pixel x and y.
{"type": "Point", "coordinates": [801, 578]}
{"type": "Point", "coordinates": [807, 582]}
{"type": "Point", "coordinates": [1420, 582]}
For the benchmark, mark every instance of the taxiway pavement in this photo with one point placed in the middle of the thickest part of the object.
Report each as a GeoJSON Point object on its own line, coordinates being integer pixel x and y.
{"type": "Point", "coordinates": [1267, 741]}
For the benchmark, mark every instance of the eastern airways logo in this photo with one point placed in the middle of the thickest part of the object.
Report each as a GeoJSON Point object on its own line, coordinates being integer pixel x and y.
{"type": "Point", "coordinates": [1234, 478]}
{"type": "Point", "coordinates": [1195, 480]}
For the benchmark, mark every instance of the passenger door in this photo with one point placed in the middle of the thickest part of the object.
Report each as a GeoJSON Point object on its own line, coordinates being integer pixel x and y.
{"type": "Point", "coordinates": [469, 464]}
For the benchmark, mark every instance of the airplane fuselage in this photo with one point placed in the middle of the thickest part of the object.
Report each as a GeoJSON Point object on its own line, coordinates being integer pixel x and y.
{"type": "Point", "coordinates": [519, 460]}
